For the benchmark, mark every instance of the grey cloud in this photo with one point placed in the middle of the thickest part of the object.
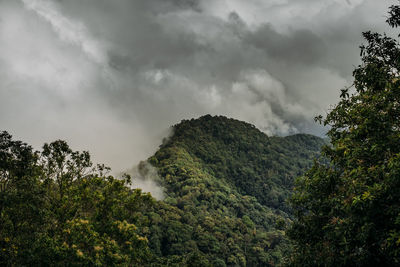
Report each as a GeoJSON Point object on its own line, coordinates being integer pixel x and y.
{"type": "Point", "coordinates": [112, 76]}
{"type": "Point", "coordinates": [300, 46]}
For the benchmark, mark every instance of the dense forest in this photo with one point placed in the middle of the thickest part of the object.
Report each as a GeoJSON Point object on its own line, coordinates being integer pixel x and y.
{"type": "Point", "coordinates": [347, 209]}
{"type": "Point", "coordinates": [225, 186]}
{"type": "Point", "coordinates": [231, 193]}
{"type": "Point", "coordinates": [229, 182]}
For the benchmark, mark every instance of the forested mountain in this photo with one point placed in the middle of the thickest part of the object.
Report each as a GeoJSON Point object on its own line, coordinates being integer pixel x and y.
{"type": "Point", "coordinates": [225, 185]}
{"type": "Point", "coordinates": [242, 156]}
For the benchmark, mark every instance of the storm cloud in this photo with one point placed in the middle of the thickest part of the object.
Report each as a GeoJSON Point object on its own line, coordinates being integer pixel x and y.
{"type": "Point", "coordinates": [112, 76]}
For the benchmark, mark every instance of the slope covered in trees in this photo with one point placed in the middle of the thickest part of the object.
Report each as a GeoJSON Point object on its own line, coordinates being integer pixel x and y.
{"type": "Point", "coordinates": [225, 188]}
{"type": "Point", "coordinates": [248, 160]}
{"type": "Point", "coordinates": [228, 183]}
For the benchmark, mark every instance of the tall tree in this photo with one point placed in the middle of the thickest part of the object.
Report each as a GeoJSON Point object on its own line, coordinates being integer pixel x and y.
{"type": "Point", "coordinates": [21, 201]}
{"type": "Point", "coordinates": [57, 210]}
{"type": "Point", "coordinates": [348, 211]}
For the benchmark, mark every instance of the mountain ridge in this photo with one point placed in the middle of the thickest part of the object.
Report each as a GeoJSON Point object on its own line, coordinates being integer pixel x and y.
{"type": "Point", "coordinates": [219, 142]}
{"type": "Point", "coordinates": [226, 183]}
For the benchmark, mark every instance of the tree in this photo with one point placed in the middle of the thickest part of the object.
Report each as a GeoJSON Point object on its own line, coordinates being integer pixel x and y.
{"type": "Point", "coordinates": [21, 201]}
{"type": "Point", "coordinates": [93, 214]}
{"type": "Point", "coordinates": [348, 210]}
{"type": "Point", "coordinates": [56, 209]}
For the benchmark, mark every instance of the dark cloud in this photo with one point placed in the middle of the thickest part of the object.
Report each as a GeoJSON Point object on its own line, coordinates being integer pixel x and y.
{"type": "Point", "coordinates": [299, 46]}
{"type": "Point", "coordinates": [112, 76]}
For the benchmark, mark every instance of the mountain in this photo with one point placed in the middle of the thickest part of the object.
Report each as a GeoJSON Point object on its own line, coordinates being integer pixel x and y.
{"type": "Point", "coordinates": [225, 186]}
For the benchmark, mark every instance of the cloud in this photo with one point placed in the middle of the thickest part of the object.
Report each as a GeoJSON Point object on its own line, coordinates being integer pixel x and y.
{"type": "Point", "coordinates": [68, 30]}
{"type": "Point", "coordinates": [299, 46]}
{"type": "Point", "coordinates": [145, 177]}
{"type": "Point", "coordinates": [112, 76]}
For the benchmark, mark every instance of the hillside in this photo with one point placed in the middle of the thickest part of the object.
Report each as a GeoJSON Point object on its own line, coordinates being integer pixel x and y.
{"type": "Point", "coordinates": [226, 184]}
{"type": "Point", "coordinates": [238, 153]}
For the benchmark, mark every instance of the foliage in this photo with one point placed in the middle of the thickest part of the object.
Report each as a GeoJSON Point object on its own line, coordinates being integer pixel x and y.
{"type": "Point", "coordinates": [226, 184]}
{"type": "Point", "coordinates": [347, 211]}
{"type": "Point", "coordinates": [57, 210]}
{"type": "Point", "coordinates": [21, 199]}
{"type": "Point", "coordinates": [250, 161]}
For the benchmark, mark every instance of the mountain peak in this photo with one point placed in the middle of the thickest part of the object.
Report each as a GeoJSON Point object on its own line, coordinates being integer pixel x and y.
{"type": "Point", "coordinates": [221, 174]}
{"type": "Point", "coordinates": [246, 158]}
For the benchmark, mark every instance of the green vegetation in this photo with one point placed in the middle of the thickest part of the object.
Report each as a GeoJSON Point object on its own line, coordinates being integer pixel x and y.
{"type": "Point", "coordinates": [244, 157]}
{"type": "Point", "coordinates": [225, 185]}
{"type": "Point", "coordinates": [348, 211]}
{"type": "Point", "coordinates": [56, 209]}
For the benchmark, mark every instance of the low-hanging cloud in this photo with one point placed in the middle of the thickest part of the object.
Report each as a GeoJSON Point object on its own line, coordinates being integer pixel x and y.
{"type": "Point", "coordinates": [145, 177]}
{"type": "Point", "coordinates": [112, 76]}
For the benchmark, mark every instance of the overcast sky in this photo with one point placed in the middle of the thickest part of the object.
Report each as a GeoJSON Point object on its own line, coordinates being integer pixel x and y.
{"type": "Point", "coordinates": [111, 76]}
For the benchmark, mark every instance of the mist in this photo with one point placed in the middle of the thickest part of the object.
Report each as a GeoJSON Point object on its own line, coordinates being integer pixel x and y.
{"type": "Point", "coordinates": [145, 177]}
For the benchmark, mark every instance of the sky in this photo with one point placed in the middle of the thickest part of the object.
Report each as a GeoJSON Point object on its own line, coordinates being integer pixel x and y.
{"type": "Point", "coordinates": [111, 77]}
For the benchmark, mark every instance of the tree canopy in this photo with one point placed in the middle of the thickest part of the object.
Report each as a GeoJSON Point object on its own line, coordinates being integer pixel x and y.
{"type": "Point", "coordinates": [57, 209]}
{"type": "Point", "coordinates": [348, 211]}
{"type": "Point", "coordinates": [226, 184]}
{"type": "Point", "coordinates": [225, 187]}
